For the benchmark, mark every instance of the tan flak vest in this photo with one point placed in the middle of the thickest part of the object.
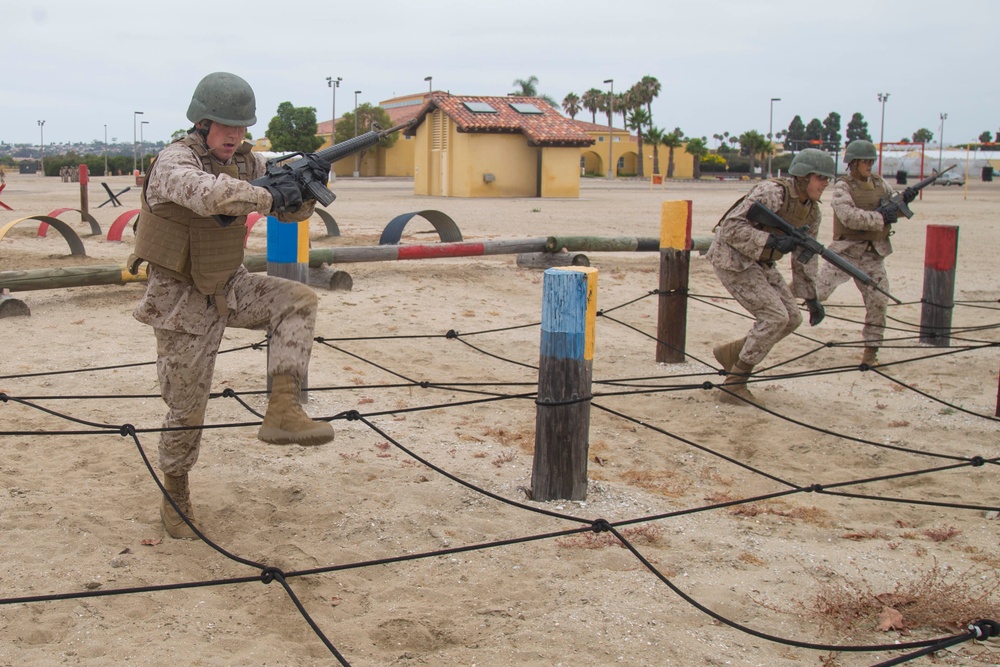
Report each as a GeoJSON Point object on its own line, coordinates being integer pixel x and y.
{"type": "Point", "coordinates": [792, 211]}
{"type": "Point", "coordinates": [866, 195]}
{"type": "Point", "coordinates": [187, 246]}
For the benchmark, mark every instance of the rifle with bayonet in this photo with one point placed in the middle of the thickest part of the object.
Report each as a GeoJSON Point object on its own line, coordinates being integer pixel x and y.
{"type": "Point", "coordinates": [899, 203]}
{"type": "Point", "coordinates": [809, 246]}
{"type": "Point", "coordinates": [306, 169]}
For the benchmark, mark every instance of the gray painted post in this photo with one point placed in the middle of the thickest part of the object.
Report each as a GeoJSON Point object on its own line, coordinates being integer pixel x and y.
{"type": "Point", "coordinates": [940, 259]}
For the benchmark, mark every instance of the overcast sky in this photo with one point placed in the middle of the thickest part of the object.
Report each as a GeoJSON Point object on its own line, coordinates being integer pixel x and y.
{"type": "Point", "coordinates": [83, 65]}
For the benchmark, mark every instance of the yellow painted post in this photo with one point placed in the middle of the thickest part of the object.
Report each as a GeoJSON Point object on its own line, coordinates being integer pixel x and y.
{"type": "Point", "coordinates": [675, 256]}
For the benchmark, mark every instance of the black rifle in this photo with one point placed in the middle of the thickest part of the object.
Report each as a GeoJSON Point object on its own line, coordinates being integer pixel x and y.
{"type": "Point", "coordinates": [809, 246]}
{"type": "Point", "coordinates": [301, 169]}
{"type": "Point", "coordinates": [897, 198]}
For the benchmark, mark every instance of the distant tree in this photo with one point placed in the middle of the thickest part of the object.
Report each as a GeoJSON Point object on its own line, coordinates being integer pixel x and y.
{"type": "Point", "coordinates": [647, 90]}
{"type": "Point", "coordinates": [814, 130]}
{"type": "Point", "coordinates": [624, 106]}
{"type": "Point", "coordinates": [697, 147]}
{"type": "Point", "coordinates": [985, 138]}
{"type": "Point", "coordinates": [571, 105]}
{"type": "Point", "coordinates": [294, 129]}
{"type": "Point", "coordinates": [858, 128]}
{"type": "Point", "coordinates": [592, 101]}
{"type": "Point", "coordinates": [529, 88]}
{"type": "Point", "coordinates": [795, 134]}
{"type": "Point", "coordinates": [718, 138]}
{"type": "Point", "coordinates": [654, 135]}
{"type": "Point", "coordinates": [366, 114]}
{"type": "Point", "coordinates": [831, 129]}
{"type": "Point", "coordinates": [672, 140]}
{"type": "Point", "coordinates": [904, 140]}
{"type": "Point", "coordinates": [923, 135]}
{"type": "Point", "coordinates": [178, 134]}
{"type": "Point", "coordinates": [753, 144]}
{"type": "Point", "coordinates": [638, 119]}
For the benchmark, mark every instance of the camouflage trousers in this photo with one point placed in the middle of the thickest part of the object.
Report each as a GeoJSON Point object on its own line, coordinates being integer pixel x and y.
{"type": "Point", "coordinates": [762, 290]}
{"type": "Point", "coordinates": [186, 359]}
{"type": "Point", "coordinates": [876, 303]}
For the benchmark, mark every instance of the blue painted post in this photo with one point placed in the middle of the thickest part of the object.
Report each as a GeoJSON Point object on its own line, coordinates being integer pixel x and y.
{"type": "Point", "coordinates": [288, 257]}
{"type": "Point", "coordinates": [562, 414]}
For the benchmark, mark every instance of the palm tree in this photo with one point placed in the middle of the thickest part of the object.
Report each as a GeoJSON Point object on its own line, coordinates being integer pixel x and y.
{"type": "Point", "coordinates": [654, 135]}
{"type": "Point", "coordinates": [571, 105]}
{"type": "Point", "coordinates": [623, 104]}
{"type": "Point", "coordinates": [697, 147]}
{"type": "Point", "coordinates": [592, 102]}
{"type": "Point", "coordinates": [753, 144]}
{"type": "Point", "coordinates": [527, 87]}
{"type": "Point", "coordinates": [638, 118]}
{"type": "Point", "coordinates": [672, 140]}
{"type": "Point", "coordinates": [650, 89]}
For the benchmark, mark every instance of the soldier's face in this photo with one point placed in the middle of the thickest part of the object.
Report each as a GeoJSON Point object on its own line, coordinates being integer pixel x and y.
{"type": "Point", "coordinates": [223, 140]}
{"type": "Point", "coordinates": [864, 168]}
{"type": "Point", "coordinates": [817, 184]}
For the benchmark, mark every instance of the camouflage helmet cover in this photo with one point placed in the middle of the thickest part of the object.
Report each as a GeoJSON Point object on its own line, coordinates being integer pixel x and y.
{"type": "Point", "coordinates": [859, 149]}
{"type": "Point", "coordinates": [812, 161]}
{"type": "Point", "coordinates": [224, 98]}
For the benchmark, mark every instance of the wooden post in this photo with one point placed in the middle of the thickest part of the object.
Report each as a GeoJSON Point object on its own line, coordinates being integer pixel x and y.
{"type": "Point", "coordinates": [940, 258]}
{"type": "Point", "coordinates": [288, 257]}
{"type": "Point", "coordinates": [675, 257]}
{"type": "Point", "coordinates": [84, 197]}
{"type": "Point", "coordinates": [562, 415]}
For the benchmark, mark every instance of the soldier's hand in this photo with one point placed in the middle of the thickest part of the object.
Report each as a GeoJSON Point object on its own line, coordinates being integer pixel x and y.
{"type": "Point", "coordinates": [889, 213]}
{"type": "Point", "coordinates": [909, 194]}
{"type": "Point", "coordinates": [816, 311]}
{"type": "Point", "coordinates": [780, 242]}
{"type": "Point", "coordinates": [285, 191]}
{"type": "Point", "coordinates": [319, 168]}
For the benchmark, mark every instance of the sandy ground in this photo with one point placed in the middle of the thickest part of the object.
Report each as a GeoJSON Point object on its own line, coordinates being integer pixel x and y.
{"type": "Point", "coordinates": [78, 511]}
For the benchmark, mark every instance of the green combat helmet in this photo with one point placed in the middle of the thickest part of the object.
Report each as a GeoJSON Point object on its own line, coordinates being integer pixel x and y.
{"type": "Point", "coordinates": [859, 149]}
{"type": "Point", "coordinates": [224, 98]}
{"type": "Point", "coordinates": [812, 161]}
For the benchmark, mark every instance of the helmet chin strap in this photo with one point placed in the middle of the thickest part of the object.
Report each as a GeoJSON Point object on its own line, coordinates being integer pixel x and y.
{"type": "Point", "coordinates": [202, 127]}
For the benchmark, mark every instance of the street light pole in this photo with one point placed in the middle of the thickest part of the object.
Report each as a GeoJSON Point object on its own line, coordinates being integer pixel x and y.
{"type": "Point", "coordinates": [430, 83]}
{"type": "Point", "coordinates": [142, 146]}
{"type": "Point", "coordinates": [611, 112]}
{"type": "Point", "coordinates": [944, 117]}
{"type": "Point", "coordinates": [770, 134]}
{"type": "Point", "coordinates": [356, 165]}
{"type": "Point", "coordinates": [334, 84]}
{"type": "Point", "coordinates": [105, 149]}
{"type": "Point", "coordinates": [135, 155]}
{"type": "Point", "coordinates": [883, 98]}
{"type": "Point", "coordinates": [41, 145]}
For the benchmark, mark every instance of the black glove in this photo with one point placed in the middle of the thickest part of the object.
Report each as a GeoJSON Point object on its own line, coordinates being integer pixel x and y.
{"type": "Point", "coordinates": [909, 194]}
{"type": "Point", "coordinates": [285, 191]}
{"type": "Point", "coordinates": [782, 243]}
{"type": "Point", "coordinates": [816, 311]}
{"type": "Point", "coordinates": [889, 213]}
{"type": "Point", "coordinates": [319, 168]}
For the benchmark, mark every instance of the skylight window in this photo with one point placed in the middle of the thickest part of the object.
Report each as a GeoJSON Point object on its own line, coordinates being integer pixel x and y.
{"type": "Point", "coordinates": [479, 107]}
{"type": "Point", "coordinates": [525, 108]}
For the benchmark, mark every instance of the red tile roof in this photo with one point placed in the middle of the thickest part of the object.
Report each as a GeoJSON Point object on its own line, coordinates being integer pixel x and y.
{"type": "Point", "coordinates": [548, 128]}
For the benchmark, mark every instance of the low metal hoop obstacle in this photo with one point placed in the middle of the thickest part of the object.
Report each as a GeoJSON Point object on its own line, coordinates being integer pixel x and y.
{"type": "Point", "coordinates": [118, 226]}
{"type": "Point", "coordinates": [72, 238]}
{"type": "Point", "coordinates": [95, 227]}
{"type": "Point", "coordinates": [446, 228]}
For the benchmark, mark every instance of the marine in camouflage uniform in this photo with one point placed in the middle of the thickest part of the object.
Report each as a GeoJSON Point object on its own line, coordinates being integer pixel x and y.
{"type": "Point", "coordinates": [198, 286]}
{"type": "Point", "coordinates": [744, 257]}
{"type": "Point", "coordinates": [861, 231]}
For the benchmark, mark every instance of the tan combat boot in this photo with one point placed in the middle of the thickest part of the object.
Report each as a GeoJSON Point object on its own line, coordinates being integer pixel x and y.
{"type": "Point", "coordinates": [285, 423]}
{"type": "Point", "coordinates": [728, 354]}
{"type": "Point", "coordinates": [736, 383]}
{"type": "Point", "coordinates": [870, 356]}
{"type": "Point", "coordinates": [177, 487]}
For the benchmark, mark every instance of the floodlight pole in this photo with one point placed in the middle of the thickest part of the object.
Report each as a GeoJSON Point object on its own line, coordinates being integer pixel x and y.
{"type": "Point", "coordinates": [883, 98]}
{"type": "Point", "coordinates": [770, 134]}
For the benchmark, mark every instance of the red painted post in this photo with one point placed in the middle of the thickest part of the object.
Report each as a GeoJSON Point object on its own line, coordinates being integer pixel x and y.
{"type": "Point", "coordinates": [940, 259]}
{"type": "Point", "coordinates": [84, 197]}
